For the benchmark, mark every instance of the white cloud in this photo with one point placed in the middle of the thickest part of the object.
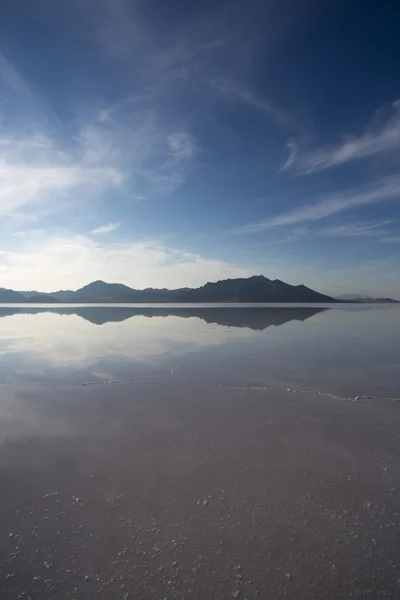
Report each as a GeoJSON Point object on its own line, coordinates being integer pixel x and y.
{"type": "Point", "coordinates": [155, 157]}
{"type": "Point", "coordinates": [106, 228]}
{"type": "Point", "coordinates": [120, 30]}
{"type": "Point", "coordinates": [30, 233]}
{"type": "Point", "coordinates": [25, 185]}
{"type": "Point", "coordinates": [385, 190]}
{"type": "Point", "coordinates": [293, 152]}
{"type": "Point", "coordinates": [125, 146]}
{"type": "Point", "coordinates": [38, 166]}
{"type": "Point", "coordinates": [363, 229]}
{"type": "Point", "coordinates": [16, 92]}
{"type": "Point", "coordinates": [182, 145]}
{"type": "Point", "coordinates": [235, 92]}
{"type": "Point", "coordinates": [177, 152]}
{"type": "Point", "coordinates": [47, 263]}
{"type": "Point", "coordinates": [395, 239]}
{"type": "Point", "coordinates": [384, 138]}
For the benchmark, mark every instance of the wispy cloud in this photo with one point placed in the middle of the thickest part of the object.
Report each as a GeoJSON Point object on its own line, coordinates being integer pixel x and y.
{"type": "Point", "coordinates": [182, 145]}
{"type": "Point", "coordinates": [235, 92]}
{"type": "Point", "coordinates": [293, 153]}
{"type": "Point", "coordinates": [120, 147]}
{"type": "Point", "coordinates": [35, 167]}
{"type": "Point", "coordinates": [30, 233]}
{"type": "Point", "coordinates": [26, 184]}
{"type": "Point", "coordinates": [382, 138]}
{"type": "Point", "coordinates": [363, 229]}
{"type": "Point", "coordinates": [48, 261]}
{"type": "Point", "coordinates": [385, 190]}
{"type": "Point", "coordinates": [119, 29]}
{"type": "Point", "coordinates": [176, 158]}
{"type": "Point", "coordinates": [15, 91]}
{"type": "Point", "coordinates": [394, 239]}
{"type": "Point", "coordinates": [106, 228]}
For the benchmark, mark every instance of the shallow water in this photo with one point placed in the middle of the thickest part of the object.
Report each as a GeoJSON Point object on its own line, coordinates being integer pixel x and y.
{"type": "Point", "coordinates": [344, 351]}
{"type": "Point", "coordinates": [199, 452]}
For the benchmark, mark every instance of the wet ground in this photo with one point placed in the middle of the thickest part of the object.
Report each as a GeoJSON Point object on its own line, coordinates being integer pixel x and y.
{"type": "Point", "coordinates": [187, 467]}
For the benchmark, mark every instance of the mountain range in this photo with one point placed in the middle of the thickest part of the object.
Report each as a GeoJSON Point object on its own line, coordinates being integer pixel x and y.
{"type": "Point", "coordinates": [360, 298]}
{"type": "Point", "coordinates": [253, 289]}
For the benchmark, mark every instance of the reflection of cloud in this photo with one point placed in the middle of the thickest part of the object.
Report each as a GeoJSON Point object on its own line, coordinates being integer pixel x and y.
{"type": "Point", "coordinates": [28, 412]}
{"type": "Point", "coordinates": [19, 417]}
{"type": "Point", "coordinates": [68, 341]}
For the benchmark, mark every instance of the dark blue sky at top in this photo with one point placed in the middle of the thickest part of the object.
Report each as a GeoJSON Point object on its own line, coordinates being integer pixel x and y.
{"type": "Point", "coordinates": [234, 136]}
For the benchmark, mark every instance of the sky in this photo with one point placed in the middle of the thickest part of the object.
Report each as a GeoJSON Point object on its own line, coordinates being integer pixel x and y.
{"type": "Point", "coordinates": [166, 144]}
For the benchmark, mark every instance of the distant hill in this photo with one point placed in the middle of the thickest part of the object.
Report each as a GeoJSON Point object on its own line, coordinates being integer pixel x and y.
{"type": "Point", "coordinates": [373, 301]}
{"type": "Point", "coordinates": [252, 290]}
{"type": "Point", "coordinates": [42, 298]}
{"type": "Point", "coordinates": [11, 296]}
{"type": "Point", "coordinates": [100, 290]}
{"type": "Point", "coordinates": [350, 297]}
{"type": "Point", "coordinates": [364, 299]}
{"type": "Point", "coordinates": [149, 295]}
{"type": "Point", "coordinates": [63, 295]}
{"type": "Point", "coordinates": [33, 296]}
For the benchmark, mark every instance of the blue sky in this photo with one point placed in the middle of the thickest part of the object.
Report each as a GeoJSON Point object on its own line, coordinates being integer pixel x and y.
{"type": "Point", "coordinates": [170, 143]}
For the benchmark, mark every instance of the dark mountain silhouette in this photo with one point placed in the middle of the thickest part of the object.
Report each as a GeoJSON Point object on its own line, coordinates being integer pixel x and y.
{"type": "Point", "coordinates": [100, 290]}
{"type": "Point", "coordinates": [11, 296]}
{"type": "Point", "coordinates": [63, 295]}
{"type": "Point", "coordinates": [148, 295]}
{"type": "Point", "coordinates": [351, 297]}
{"type": "Point", "coordinates": [253, 289]}
{"type": "Point", "coordinates": [33, 296]}
{"type": "Point", "coordinates": [256, 318]}
{"type": "Point", "coordinates": [42, 298]}
{"type": "Point", "coordinates": [359, 298]}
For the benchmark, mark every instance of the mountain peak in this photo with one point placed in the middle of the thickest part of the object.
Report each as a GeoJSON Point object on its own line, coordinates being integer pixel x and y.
{"type": "Point", "coordinates": [259, 278]}
{"type": "Point", "coordinates": [254, 289]}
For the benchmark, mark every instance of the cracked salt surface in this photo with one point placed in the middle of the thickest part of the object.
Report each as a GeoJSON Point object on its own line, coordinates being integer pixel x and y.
{"type": "Point", "coordinates": [306, 392]}
{"type": "Point", "coordinates": [258, 388]}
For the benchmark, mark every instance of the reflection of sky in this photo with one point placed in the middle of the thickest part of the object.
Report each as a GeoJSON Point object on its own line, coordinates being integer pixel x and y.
{"type": "Point", "coordinates": [33, 343]}
{"type": "Point", "coordinates": [349, 350]}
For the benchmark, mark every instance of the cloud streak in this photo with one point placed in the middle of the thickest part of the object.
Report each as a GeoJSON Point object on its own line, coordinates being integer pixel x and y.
{"type": "Point", "coordinates": [384, 139]}
{"type": "Point", "coordinates": [386, 190]}
{"type": "Point", "coordinates": [369, 229]}
{"type": "Point", "coordinates": [105, 228]}
{"type": "Point", "coordinates": [234, 92]}
{"type": "Point", "coordinates": [395, 239]}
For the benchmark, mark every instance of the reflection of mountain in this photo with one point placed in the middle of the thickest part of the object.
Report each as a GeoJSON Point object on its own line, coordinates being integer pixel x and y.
{"type": "Point", "coordinates": [255, 317]}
